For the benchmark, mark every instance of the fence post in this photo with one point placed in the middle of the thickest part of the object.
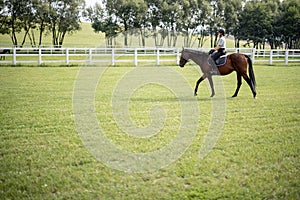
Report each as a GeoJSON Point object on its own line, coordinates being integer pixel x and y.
{"type": "Point", "coordinates": [253, 55]}
{"type": "Point", "coordinates": [15, 56]}
{"type": "Point", "coordinates": [271, 57]}
{"type": "Point", "coordinates": [112, 56]}
{"type": "Point", "coordinates": [177, 56]}
{"type": "Point", "coordinates": [67, 56]}
{"type": "Point", "coordinates": [157, 56]}
{"type": "Point", "coordinates": [40, 56]}
{"type": "Point", "coordinates": [90, 56]}
{"type": "Point", "coordinates": [135, 57]}
{"type": "Point", "coordinates": [286, 57]}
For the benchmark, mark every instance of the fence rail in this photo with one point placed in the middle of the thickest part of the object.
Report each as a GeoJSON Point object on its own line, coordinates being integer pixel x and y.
{"type": "Point", "coordinates": [134, 56]}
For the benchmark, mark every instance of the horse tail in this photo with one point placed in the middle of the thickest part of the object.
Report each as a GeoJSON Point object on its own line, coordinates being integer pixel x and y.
{"type": "Point", "coordinates": [250, 70]}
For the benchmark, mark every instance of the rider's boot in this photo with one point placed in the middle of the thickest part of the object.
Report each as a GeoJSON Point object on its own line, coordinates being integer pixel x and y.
{"type": "Point", "coordinates": [214, 70]}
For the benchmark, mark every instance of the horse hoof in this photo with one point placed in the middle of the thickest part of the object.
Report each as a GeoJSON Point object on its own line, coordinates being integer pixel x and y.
{"type": "Point", "coordinates": [234, 96]}
{"type": "Point", "coordinates": [195, 94]}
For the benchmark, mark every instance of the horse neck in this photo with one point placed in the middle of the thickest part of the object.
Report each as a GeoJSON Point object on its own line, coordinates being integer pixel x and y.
{"type": "Point", "coordinates": [199, 57]}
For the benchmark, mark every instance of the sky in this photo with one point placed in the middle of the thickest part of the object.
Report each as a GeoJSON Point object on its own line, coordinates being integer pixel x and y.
{"type": "Point", "coordinates": [91, 2]}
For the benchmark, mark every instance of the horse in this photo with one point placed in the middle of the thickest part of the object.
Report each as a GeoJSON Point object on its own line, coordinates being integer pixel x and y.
{"type": "Point", "coordinates": [4, 51]}
{"type": "Point", "coordinates": [234, 62]}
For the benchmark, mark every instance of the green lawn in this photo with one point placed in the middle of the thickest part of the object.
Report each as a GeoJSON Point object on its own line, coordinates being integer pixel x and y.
{"type": "Point", "coordinates": [43, 156]}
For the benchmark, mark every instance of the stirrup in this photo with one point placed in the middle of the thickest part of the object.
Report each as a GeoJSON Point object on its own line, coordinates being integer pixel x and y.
{"type": "Point", "coordinates": [214, 72]}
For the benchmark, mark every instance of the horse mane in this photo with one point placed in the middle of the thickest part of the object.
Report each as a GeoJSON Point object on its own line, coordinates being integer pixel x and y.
{"type": "Point", "coordinates": [199, 52]}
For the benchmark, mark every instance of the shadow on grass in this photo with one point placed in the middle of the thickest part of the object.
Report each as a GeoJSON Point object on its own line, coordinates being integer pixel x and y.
{"type": "Point", "coordinates": [175, 99]}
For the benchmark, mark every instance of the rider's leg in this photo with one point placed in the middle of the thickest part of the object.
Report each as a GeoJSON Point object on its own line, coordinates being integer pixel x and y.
{"type": "Point", "coordinates": [211, 61]}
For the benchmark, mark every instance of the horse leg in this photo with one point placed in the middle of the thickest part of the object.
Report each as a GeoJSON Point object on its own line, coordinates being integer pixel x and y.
{"type": "Point", "coordinates": [197, 84]}
{"type": "Point", "coordinates": [247, 79]}
{"type": "Point", "coordinates": [239, 83]}
{"type": "Point", "coordinates": [211, 86]}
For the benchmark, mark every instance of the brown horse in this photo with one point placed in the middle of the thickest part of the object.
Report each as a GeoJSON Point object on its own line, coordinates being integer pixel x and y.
{"type": "Point", "coordinates": [234, 62]}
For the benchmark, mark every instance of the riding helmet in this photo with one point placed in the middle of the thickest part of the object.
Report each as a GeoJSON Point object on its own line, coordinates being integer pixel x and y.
{"type": "Point", "coordinates": [221, 31]}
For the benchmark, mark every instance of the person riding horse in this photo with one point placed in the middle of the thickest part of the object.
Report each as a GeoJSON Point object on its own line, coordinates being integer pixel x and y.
{"type": "Point", "coordinates": [220, 48]}
{"type": "Point", "coordinates": [235, 62]}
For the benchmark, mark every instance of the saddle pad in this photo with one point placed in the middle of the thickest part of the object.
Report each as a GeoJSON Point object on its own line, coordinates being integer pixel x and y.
{"type": "Point", "coordinates": [221, 61]}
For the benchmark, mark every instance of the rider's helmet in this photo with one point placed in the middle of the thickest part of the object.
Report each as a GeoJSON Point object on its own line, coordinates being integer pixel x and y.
{"type": "Point", "coordinates": [221, 31]}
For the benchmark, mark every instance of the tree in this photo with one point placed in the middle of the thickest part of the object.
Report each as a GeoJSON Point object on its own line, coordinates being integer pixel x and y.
{"type": "Point", "coordinates": [288, 24]}
{"type": "Point", "coordinates": [64, 17]}
{"type": "Point", "coordinates": [163, 20]}
{"type": "Point", "coordinates": [154, 18]}
{"type": "Point", "coordinates": [170, 14]}
{"type": "Point", "coordinates": [216, 19]}
{"type": "Point", "coordinates": [58, 16]}
{"type": "Point", "coordinates": [126, 13]}
{"type": "Point", "coordinates": [233, 9]}
{"type": "Point", "coordinates": [14, 10]}
{"type": "Point", "coordinates": [42, 19]}
{"type": "Point", "coordinates": [103, 23]}
{"type": "Point", "coordinates": [4, 19]}
{"type": "Point", "coordinates": [141, 20]}
{"type": "Point", "coordinates": [272, 8]}
{"type": "Point", "coordinates": [255, 23]}
{"type": "Point", "coordinates": [203, 12]}
{"type": "Point", "coordinates": [189, 20]}
{"type": "Point", "coordinates": [28, 19]}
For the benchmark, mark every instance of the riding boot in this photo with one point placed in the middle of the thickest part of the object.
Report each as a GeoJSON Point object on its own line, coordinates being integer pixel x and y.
{"type": "Point", "coordinates": [214, 70]}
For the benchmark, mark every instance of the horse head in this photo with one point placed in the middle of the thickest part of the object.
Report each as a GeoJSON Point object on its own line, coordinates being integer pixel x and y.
{"type": "Point", "coordinates": [183, 59]}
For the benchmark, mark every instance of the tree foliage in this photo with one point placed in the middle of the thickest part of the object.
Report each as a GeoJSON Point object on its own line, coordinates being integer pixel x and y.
{"type": "Point", "coordinates": [260, 22]}
{"type": "Point", "coordinates": [55, 16]}
{"type": "Point", "coordinates": [287, 24]}
{"type": "Point", "coordinates": [102, 22]}
{"type": "Point", "coordinates": [64, 16]}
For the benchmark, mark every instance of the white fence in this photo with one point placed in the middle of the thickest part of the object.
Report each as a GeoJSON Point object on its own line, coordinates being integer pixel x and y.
{"type": "Point", "coordinates": [134, 56]}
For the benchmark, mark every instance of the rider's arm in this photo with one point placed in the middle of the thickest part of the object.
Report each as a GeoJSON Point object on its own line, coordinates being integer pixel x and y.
{"type": "Point", "coordinates": [217, 47]}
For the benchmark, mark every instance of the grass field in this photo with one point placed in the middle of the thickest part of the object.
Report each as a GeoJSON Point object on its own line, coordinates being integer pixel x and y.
{"type": "Point", "coordinates": [43, 157]}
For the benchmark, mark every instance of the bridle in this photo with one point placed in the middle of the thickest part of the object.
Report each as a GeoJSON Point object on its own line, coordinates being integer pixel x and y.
{"type": "Point", "coordinates": [182, 61]}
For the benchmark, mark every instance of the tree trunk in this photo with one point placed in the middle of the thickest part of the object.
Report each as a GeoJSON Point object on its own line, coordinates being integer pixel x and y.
{"type": "Point", "coordinates": [155, 38]}
{"type": "Point", "coordinates": [62, 37]}
{"type": "Point", "coordinates": [211, 39]}
{"type": "Point", "coordinates": [26, 33]}
{"type": "Point", "coordinates": [175, 40]}
{"type": "Point", "coordinates": [13, 32]}
{"type": "Point", "coordinates": [142, 32]}
{"type": "Point", "coordinates": [125, 33]}
{"type": "Point", "coordinates": [216, 40]}
{"type": "Point", "coordinates": [33, 43]}
{"type": "Point", "coordinates": [41, 33]}
{"type": "Point", "coordinates": [54, 36]}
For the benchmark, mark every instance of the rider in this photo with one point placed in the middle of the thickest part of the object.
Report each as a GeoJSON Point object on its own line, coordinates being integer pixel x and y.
{"type": "Point", "coordinates": [220, 48]}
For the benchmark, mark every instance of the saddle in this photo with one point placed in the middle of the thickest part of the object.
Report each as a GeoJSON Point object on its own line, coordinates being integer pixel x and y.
{"type": "Point", "coordinates": [221, 61]}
